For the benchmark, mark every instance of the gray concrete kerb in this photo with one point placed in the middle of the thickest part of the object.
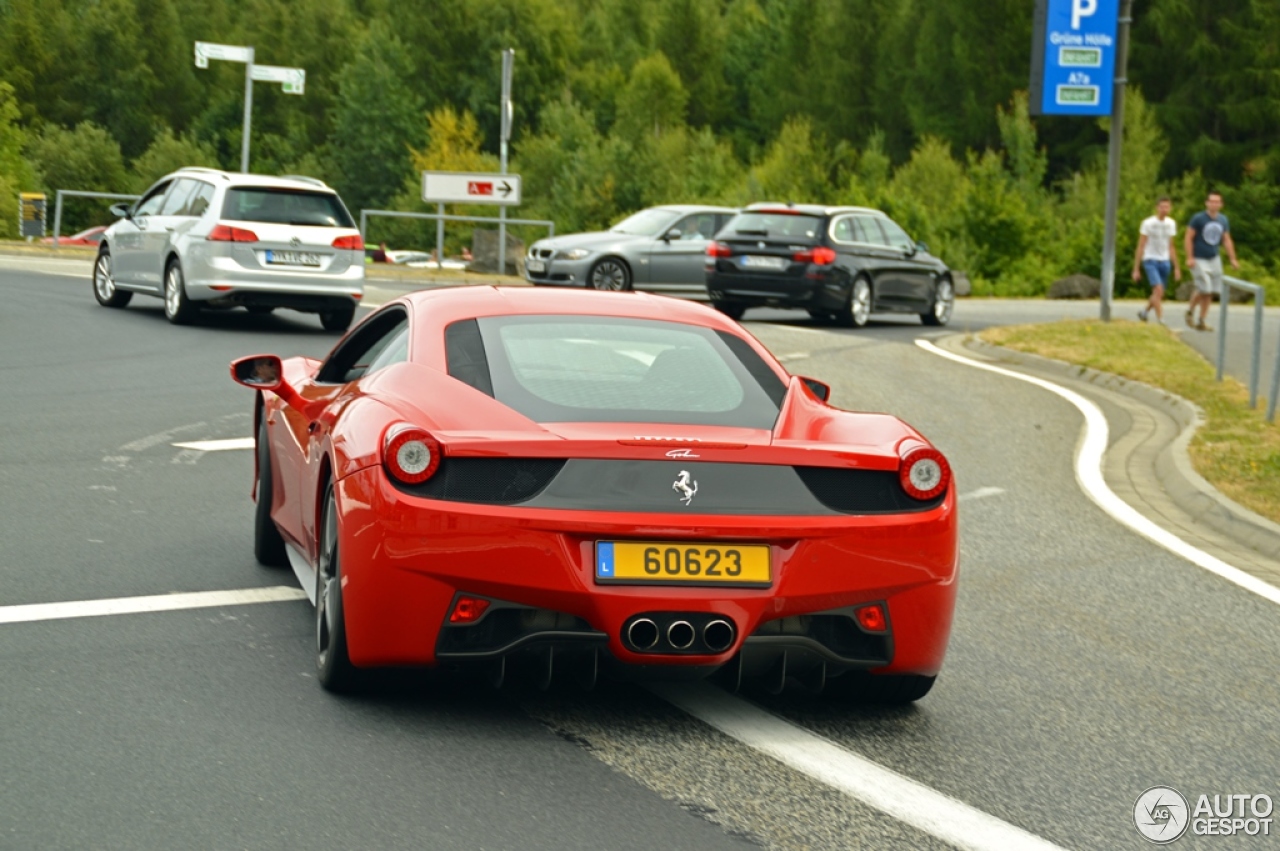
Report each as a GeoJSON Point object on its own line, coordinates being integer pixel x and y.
{"type": "Point", "coordinates": [1186, 488]}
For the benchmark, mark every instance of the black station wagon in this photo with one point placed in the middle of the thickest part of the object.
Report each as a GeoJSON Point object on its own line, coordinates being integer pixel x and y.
{"type": "Point", "coordinates": [839, 263]}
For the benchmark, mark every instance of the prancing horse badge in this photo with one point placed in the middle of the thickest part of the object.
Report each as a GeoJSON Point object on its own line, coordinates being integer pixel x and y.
{"type": "Point", "coordinates": [686, 486]}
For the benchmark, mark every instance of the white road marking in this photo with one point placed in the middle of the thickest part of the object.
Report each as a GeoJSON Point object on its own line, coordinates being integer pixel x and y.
{"type": "Point", "coordinates": [218, 445]}
{"type": "Point", "coordinates": [981, 493]}
{"type": "Point", "coordinates": [1089, 475]}
{"type": "Point", "coordinates": [901, 797]}
{"type": "Point", "coordinates": [160, 437]}
{"type": "Point", "coordinates": [793, 356]}
{"type": "Point", "coordinates": [155, 603]}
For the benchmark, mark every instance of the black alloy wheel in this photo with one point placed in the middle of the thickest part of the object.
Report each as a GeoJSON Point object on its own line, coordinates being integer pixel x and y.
{"type": "Point", "coordinates": [609, 273]}
{"type": "Point", "coordinates": [338, 318]}
{"type": "Point", "coordinates": [104, 282]}
{"type": "Point", "coordinates": [333, 666]}
{"type": "Point", "coordinates": [857, 310]}
{"type": "Point", "coordinates": [944, 302]}
{"type": "Point", "coordinates": [268, 544]}
{"type": "Point", "coordinates": [178, 309]}
{"type": "Point", "coordinates": [731, 309]}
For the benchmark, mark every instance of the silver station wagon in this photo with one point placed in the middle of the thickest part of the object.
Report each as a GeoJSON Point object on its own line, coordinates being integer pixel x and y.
{"type": "Point", "coordinates": [202, 238]}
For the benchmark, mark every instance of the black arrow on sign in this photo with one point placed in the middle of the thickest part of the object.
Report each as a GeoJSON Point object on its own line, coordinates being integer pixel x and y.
{"type": "Point", "coordinates": [506, 189]}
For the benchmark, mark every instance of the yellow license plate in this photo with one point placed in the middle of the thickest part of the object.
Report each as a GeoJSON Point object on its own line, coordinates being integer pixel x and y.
{"type": "Point", "coordinates": [636, 563]}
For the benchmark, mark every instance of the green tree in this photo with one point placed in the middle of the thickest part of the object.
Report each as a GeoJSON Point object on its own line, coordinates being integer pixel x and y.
{"type": "Point", "coordinates": [691, 35]}
{"type": "Point", "coordinates": [374, 121]}
{"type": "Point", "coordinates": [169, 153]}
{"type": "Point", "coordinates": [654, 100]}
{"type": "Point", "coordinates": [87, 158]}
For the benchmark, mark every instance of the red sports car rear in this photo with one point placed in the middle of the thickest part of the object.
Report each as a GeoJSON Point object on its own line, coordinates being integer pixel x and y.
{"type": "Point", "coordinates": [592, 483]}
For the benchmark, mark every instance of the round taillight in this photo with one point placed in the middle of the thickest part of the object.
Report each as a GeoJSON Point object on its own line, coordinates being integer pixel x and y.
{"type": "Point", "coordinates": [410, 455]}
{"type": "Point", "coordinates": [924, 473]}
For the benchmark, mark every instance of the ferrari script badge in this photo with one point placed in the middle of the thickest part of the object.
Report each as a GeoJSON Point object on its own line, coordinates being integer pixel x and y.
{"type": "Point", "coordinates": [686, 486]}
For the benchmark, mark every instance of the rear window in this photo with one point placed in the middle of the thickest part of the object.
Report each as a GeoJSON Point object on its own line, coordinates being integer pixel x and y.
{"type": "Point", "coordinates": [606, 369]}
{"type": "Point", "coordinates": [789, 226]}
{"type": "Point", "coordinates": [285, 207]}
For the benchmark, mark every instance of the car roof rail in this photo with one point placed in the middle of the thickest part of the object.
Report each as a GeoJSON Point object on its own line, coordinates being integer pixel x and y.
{"type": "Point", "coordinates": [199, 169]}
{"type": "Point", "coordinates": [315, 181]}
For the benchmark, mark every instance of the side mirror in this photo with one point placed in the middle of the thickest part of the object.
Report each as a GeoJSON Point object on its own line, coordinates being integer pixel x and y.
{"type": "Point", "coordinates": [120, 210]}
{"type": "Point", "coordinates": [817, 388]}
{"type": "Point", "coordinates": [672, 235]}
{"type": "Point", "coordinates": [920, 246]}
{"type": "Point", "coordinates": [261, 372]}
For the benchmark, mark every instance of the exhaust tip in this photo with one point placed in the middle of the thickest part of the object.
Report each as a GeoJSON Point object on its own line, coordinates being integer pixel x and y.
{"type": "Point", "coordinates": [642, 634]}
{"type": "Point", "coordinates": [718, 635]}
{"type": "Point", "coordinates": [680, 635]}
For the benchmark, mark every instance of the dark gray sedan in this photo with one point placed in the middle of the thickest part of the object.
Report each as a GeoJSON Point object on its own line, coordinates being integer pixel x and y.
{"type": "Point", "coordinates": [661, 248]}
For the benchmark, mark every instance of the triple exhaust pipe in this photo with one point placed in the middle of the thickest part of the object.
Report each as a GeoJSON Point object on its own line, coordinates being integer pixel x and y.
{"type": "Point", "coordinates": [679, 633]}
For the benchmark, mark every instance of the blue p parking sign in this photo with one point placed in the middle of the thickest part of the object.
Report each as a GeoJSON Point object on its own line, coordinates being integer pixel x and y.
{"type": "Point", "coordinates": [1073, 57]}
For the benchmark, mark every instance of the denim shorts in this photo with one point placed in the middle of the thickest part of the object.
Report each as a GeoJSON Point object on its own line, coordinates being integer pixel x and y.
{"type": "Point", "coordinates": [1157, 271]}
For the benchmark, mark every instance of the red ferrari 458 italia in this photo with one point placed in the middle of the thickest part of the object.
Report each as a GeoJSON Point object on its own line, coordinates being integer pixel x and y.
{"type": "Point", "coordinates": [593, 483]}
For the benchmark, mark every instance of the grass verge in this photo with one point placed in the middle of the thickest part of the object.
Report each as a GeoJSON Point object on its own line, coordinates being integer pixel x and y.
{"type": "Point", "coordinates": [1236, 450]}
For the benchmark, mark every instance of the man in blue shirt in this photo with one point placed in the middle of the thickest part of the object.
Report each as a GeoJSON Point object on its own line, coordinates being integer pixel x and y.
{"type": "Point", "coordinates": [1206, 233]}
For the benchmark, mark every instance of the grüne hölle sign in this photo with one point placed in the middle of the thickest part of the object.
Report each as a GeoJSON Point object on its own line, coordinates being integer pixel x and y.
{"type": "Point", "coordinates": [1073, 57]}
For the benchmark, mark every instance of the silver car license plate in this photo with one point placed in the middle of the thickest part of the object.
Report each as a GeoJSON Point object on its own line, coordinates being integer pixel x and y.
{"type": "Point", "coordinates": [754, 261]}
{"type": "Point", "coordinates": [538, 266]}
{"type": "Point", "coordinates": [293, 258]}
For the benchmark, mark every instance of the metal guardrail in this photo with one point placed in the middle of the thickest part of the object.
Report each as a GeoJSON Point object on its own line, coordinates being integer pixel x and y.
{"type": "Point", "coordinates": [441, 218]}
{"type": "Point", "coordinates": [1255, 360]}
{"type": "Point", "coordinates": [75, 193]}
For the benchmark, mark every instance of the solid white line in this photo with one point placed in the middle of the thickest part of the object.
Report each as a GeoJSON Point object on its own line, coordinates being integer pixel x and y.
{"type": "Point", "coordinates": [901, 797]}
{"type": "Point", "coordinates": [1089, 475]}
{"type": "Point", "coordinates": [156, 603]}
{"type": "Point", "coordinates": [981, 493]}
{"type": "Point", "coordinates": [218, 445]}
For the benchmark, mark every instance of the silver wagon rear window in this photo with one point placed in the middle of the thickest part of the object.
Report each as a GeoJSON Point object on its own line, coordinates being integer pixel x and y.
{"type": "Point", "coordinates": [285, 207]}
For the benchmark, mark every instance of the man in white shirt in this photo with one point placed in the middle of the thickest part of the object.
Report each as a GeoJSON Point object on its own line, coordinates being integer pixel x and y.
{"type": "Point", "coordinates": [1157, 256]}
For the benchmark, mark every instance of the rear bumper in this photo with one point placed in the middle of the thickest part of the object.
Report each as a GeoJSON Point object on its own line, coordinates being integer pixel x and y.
{"type": "Point", "coordinates": [406, 558]}
{"type": "Point", "coordinates": [233, 279]}
{"type": "Point", "coordinates": [813, 291]}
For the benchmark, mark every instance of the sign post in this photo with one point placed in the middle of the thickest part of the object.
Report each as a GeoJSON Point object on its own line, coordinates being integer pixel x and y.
{"type": "Point", "coordinates": [508, 61]}
{"type": "Point", "coordinates": [31, 206]}
{"type": "Point", "coordinates": [293, 81]}
{"type": "Point", "coordinates": [1079, 58]}
{"type": "Point", "coordinates": [459, 187]}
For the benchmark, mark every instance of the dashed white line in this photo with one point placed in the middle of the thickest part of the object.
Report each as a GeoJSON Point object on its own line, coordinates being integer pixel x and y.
{"type": "Point", "coordinates": [217, 445]}
{"type": "Point", "coordinates": [1089, 475]}
{"type": "Point", "coordinates": [156, 603]}
{"type": "Point", "coordinates": [981, 493]}
{"type": "Point", "coordinates": [901, 797]}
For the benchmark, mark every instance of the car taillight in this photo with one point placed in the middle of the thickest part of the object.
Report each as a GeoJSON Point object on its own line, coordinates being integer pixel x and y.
{"type": "Point", "coordinates": [226, 233]}
{"type": "Point", "coordinates": [872, 618]}
{"type": "Point", "coordinates": [924, 473]}
{"type": "Point", "coordinates": [719, 249]}
{"type": "Point", "coordinates": [352, 243]}
{"type": "Point", "coordinates": [468, 609]}
{"type": "Point", "coordinates": [821, 256]}
{"type": "Point", "coordinates": [410, 454]}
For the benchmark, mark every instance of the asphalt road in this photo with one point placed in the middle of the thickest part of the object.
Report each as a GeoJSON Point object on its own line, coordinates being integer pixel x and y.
{"type": "Point", "coordinates": [1086, 664]}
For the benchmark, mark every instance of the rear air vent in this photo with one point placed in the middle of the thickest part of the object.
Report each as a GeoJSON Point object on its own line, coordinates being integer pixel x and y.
{"type": "Point", "coordinates": [492, 481]}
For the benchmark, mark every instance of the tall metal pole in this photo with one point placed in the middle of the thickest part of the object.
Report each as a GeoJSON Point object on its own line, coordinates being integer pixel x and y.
{"type": "Point", "coordinates": [248, 112]}
{"type": "Point", "coordinates": [508, 60]}
{"type": "Point", "coordinates": [1113, 159]}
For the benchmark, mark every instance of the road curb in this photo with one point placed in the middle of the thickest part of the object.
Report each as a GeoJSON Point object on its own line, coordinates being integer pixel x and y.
{"type": "Point", "coordinates": [1186, 488]}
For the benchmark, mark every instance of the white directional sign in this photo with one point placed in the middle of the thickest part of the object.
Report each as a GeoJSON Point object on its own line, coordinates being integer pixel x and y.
{"type": "Point", "coordinates": [227, 52]}
{"type": "Point", "coordinates": [294, 80]}
{"type": "Point", "coordinates": [453, 187]}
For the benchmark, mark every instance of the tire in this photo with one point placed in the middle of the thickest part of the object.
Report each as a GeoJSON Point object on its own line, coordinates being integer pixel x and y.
{"type": "Point", "coordinates": [609, 273]}
{"type": "Point", "coordinates": [944, 301]}
{"type": "Point", "coordinates": [882, 689]}
{"type": "Point", "coordinates": [731, 309]}
{"type": "Point", "coordinates": [104, 282]}
{"type": "Point", "coordinates": [268, 545]}
{"type": "Point", "coordinates": [337, 319]}
{"type": "Point", "coordinates": [333, 666]}
{"type": "Point", "coordinates": [178, 309]}
{"type": "Point", "coordinates": [857, 309]}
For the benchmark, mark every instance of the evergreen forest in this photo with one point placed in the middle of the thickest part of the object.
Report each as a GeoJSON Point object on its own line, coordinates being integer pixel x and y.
{"type": "Point", "coordinates": [917, 107]}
